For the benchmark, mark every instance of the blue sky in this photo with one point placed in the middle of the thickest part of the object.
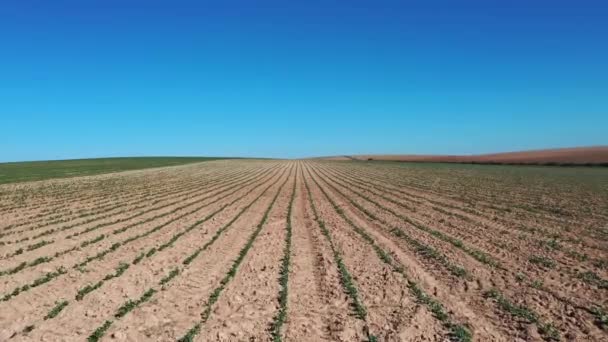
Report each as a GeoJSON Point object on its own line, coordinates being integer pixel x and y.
{"type": "Point", "coordinates": [295, 79]}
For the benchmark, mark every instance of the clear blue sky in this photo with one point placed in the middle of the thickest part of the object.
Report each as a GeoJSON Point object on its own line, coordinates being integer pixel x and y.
{"type": "Point", "coordinates": [280, 79]}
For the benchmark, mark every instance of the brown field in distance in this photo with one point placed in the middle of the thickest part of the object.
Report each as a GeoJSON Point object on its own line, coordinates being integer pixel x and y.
{"type": "Point", "coordinates": [563, 156]}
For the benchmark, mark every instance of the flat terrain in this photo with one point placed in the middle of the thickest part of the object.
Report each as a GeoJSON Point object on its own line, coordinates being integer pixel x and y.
{"type": "Point", "coordinates": [40, 170]}
{"type": "Point", "coordinates": [597, 155]}
{"type": "Point", "coordinates": [238, 250]}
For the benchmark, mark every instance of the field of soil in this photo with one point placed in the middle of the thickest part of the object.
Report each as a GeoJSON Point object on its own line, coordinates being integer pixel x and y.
{"type": "Point", "coordinates": [597, 155]}
{"type": "Point", "coordinates": [260, 250]}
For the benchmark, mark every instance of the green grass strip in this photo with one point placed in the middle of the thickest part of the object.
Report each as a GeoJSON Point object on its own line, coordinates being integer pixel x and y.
{"type": "Point", "coordinates": [95, 240]}
{"type": "Point", "coordinates": [38, 245]}
{"type": "Point", "coordinates": [120, 269]}
{"type": "Point", "coordinates": [99, 332]}
{"type": "Point", "coordinates": [548, 331]}
{"type": "Point", "coordinates": [601, 317]}
{"type": "Point", "coordinates": [542, 261]}
{"type": "Point", "coordinates": [279, 319]}
{"type": "Point", "coordinates": [42, 280]}
{"type": "Point", "coordinates": [592, 278]}
{"type": "Point", "coordinates": [174, 272]}
{"type": "Point", "coordinates": [56, 310]}
{"type": "Point", "coordinates": [132, 304]}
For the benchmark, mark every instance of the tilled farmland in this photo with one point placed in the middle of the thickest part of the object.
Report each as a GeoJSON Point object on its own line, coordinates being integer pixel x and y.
{"type": "Point", "coordinates": [258, 250]}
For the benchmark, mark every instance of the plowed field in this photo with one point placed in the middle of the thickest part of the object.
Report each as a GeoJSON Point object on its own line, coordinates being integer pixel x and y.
{"type": "Point", "coordinates": [258, 250]}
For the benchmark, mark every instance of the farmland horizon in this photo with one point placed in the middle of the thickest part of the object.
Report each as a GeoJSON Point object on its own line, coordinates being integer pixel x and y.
{"type": "Point", "coordinates": [580, 150]}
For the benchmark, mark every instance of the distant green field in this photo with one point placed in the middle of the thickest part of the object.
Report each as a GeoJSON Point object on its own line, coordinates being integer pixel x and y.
{"type": "Point", "coordinates": [39, 170]}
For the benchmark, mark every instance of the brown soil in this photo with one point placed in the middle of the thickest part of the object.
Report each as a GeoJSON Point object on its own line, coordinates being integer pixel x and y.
{"type": "Point", "coordinates": [376, 251]}
{"type": "Point", "coordinates": [563, 156]}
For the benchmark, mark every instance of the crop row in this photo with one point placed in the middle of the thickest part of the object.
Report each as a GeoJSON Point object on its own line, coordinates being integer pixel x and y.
{"type": "Point", "coordinates": [123, 267]}
{"type": "Point", "coordinates": [118, 245]}
{"type": "Point", "coordinates": [104, 203]}
{"type": "Point", "coordinates": [589, 277]}
{"type": "Point", "coordinates": [23, 265]}
{"type": "Point", "coordinates": [346, 278]}
{"type": "Point", "coordinates": [423, 249]}
{"type": "Point", "coordinates": [491, 205]}
{"type": "Point", "coordinates": [231, 185]}
{"type": "Point", "coordinates": [546, 329]}
{"type": "Point", "coordinates": [545, 262]}
{"type": "Point", "coordinates": [215, 294]}
{"type": "Point", "coordinates": [130, 305]}
{"type": "Point", "coordinates": [458, 331]}
{"type": "Point", "coordinates": [102, 214]}
{"type": "Point", "coordinates": [280, 317]}
{"type": "Point", "coordinates": [63, 193]}
{"type": "Point", "coordinates": [192, 193]}
{"type": "Point", "coordinates": [522, 228]}
{"type": "Point", "coordinates": [475, 253]}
